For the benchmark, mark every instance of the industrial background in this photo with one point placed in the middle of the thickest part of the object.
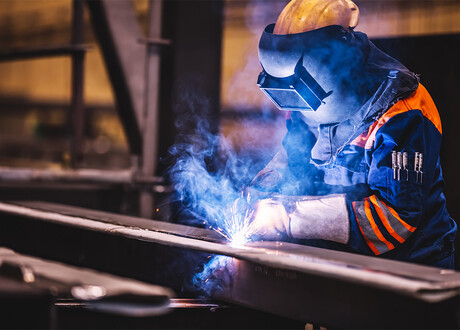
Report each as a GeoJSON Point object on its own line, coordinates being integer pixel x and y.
{"type": "Point", "coordinates": [92, 97]}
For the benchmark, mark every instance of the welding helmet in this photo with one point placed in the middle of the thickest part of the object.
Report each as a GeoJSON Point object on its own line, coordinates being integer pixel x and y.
{"type": "Point", "coordinates": [300, 69]}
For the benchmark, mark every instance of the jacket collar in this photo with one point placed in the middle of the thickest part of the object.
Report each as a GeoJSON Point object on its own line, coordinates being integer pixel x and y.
{"type": "Point", "coordinates": [398, 83]}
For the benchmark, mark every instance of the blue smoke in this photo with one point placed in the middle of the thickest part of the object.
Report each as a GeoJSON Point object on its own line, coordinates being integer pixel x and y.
{"type": "Point", "coordinates": [209, 177]}
{"type": "Point", "coordinates": [210, 174]}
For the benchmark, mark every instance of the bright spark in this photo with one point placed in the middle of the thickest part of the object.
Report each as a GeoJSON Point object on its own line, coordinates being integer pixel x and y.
{"type": "Point", "coordinates": [235, 223]}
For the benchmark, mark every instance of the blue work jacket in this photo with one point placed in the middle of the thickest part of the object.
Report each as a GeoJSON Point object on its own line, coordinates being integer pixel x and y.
{"type": "Point", "coordinates": [396, 207]}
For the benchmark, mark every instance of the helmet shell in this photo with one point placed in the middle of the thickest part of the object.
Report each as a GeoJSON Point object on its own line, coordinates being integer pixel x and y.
{"type": "Point", "coordinates": [307, 15]}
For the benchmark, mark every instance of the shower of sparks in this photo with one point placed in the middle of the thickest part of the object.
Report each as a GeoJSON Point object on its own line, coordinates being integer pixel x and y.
{"type": "Point", "coordinates": [235, 223]}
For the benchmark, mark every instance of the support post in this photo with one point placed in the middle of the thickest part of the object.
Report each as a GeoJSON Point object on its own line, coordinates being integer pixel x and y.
{"type": "Point", "coordinates": [118, 33]}
{"type": "Point", "coordinates": [151, 105]}
{"type": "Point", "coordinates": [77, 108]}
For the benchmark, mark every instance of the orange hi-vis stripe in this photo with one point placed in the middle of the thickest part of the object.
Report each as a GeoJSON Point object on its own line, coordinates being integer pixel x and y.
{"type": "Point", "coordinates": [368, 242]}
{"type": "Point", "coordinates": [419, 100]}
{"type": "Point", "coordinates": [393, 212]}
{"type": "Point", "coordinates": [367, 209]}
{"type": "Point", "coordinates": [422, 101]}
{"type": "Point", "coordinates": [384, 220]}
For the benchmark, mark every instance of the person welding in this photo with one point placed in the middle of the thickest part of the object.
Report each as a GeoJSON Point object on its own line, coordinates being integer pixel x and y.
{"type": "Point", "coordinates": [359, 170]}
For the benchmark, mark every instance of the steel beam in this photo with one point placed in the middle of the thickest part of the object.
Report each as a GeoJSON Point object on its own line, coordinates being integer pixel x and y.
{"type": "Point", "coordinates": [151, 109]}
{"type": "Point", "coordinates": [315, 285]}
{"type": "Point", "coordinates": [44, 51]}
{"type": "Point", "coordinates": [18, 174]}
{"type": "Point", "coordinates": [117, 30]}
{"type": "Point", "coordinates": [99, 291]}
{"type": "Point", "coordinates": [77, 114]}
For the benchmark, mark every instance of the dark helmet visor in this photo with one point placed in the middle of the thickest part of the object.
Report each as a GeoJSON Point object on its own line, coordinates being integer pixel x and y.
{"type": "Point", "coordinates": [298, 92]}
{"type": "Point", "coordinates": [284, 79]}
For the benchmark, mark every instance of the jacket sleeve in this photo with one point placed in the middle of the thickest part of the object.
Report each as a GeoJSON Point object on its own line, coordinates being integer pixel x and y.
{"type": "Point", "coordinates": [269, 178]}
{"type": "Point", "coordinates": [386, 219]}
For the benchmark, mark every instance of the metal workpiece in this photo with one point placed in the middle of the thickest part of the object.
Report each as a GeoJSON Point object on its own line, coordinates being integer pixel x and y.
{"type": "Point", "coordinates": [99, 291]}
{"type": "Point", "coordinates": [332, 303]}
{"type": "Point", "coordinates": [82, 175]}
{"type": "Point", "coordinates": [305, 283]}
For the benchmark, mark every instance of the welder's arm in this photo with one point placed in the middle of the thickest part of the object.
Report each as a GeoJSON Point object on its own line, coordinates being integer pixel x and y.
{"type": "Point", "coordinates": [388, 217]}
{"type": "Point", "coordinates": [303, 217]}
{"type": "Point", "coordinates": [270, 178]}
{"type": "Point", "coordinates": [324, 217]}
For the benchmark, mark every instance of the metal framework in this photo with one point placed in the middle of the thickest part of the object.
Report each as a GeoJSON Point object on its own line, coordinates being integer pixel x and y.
{"type": "Point", "coordinates": [76, 49]}
{"type": "Point", "coordinates": [117, 30]}
{"type": "Point", "coordinates": [191, 68]}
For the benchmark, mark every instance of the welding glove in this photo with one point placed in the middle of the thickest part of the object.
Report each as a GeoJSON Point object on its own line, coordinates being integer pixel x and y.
{"type": "Point", "coordinates": [303, 217]}
{"type": "Point", "coordinates": [271, 220]}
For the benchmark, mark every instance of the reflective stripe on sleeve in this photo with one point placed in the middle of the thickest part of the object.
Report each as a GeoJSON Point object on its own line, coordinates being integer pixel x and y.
{"type": "Point", "coordinates": [395, 214]}
{"type": "Point", "coordinates": [368, 242]}
{"type": "Point", "coordinates": [391, 220]}
{"type": "Point", "coordinates": [369, 229]}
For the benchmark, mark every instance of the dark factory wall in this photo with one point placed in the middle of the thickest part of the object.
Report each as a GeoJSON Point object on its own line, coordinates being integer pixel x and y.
{"type": "Point", "coordinates": [436, 59]}
{"type": "Point", "coordinates": [190, 88]}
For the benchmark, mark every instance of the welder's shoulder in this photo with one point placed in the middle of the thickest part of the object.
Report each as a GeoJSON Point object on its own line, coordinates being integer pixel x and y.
{"type": "Point", "coordinates": [420, 101]}
{"type": "Point", "coordinates": [410, 113]}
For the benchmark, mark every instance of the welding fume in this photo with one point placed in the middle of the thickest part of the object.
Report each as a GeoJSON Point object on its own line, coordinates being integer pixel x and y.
{"type": "Point", "coordinates": [359, 168]}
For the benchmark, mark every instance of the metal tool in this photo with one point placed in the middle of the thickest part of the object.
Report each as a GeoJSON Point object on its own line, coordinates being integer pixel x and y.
{"type": "Point", "coordinates": [420, 166]}
{"type": "Point", "coordinates": [405, 156]}
{"type": "Point", "coordinates": [394, 162]}
{"type": "Point", "coordinates": [418, 163]}
{"type": "Point", "coordinates": [400, 164]}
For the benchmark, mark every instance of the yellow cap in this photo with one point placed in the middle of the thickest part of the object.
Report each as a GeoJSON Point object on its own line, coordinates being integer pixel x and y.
{"type": "Point", "coordinates": [307, 15]}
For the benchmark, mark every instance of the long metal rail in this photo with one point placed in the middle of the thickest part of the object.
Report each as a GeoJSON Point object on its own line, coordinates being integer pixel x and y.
{"type": "Point", "coordinates": [44, 51]}
{"type": "Point", "coordinates": [20, 174]}
{"type": "Point", "coordinates": [96, 290]}
{"type": "Point", "coordinates": [310, 284]}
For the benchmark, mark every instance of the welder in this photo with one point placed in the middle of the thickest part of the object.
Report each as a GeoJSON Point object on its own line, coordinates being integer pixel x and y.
{"type": "Point", "coordinates": [359, 170]}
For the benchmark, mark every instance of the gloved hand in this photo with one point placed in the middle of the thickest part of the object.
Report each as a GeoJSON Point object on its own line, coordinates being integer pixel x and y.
{"type": "Point", "coordinates": [271, 221]}
{"type": "Point", "coordinates": [302, 217]}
